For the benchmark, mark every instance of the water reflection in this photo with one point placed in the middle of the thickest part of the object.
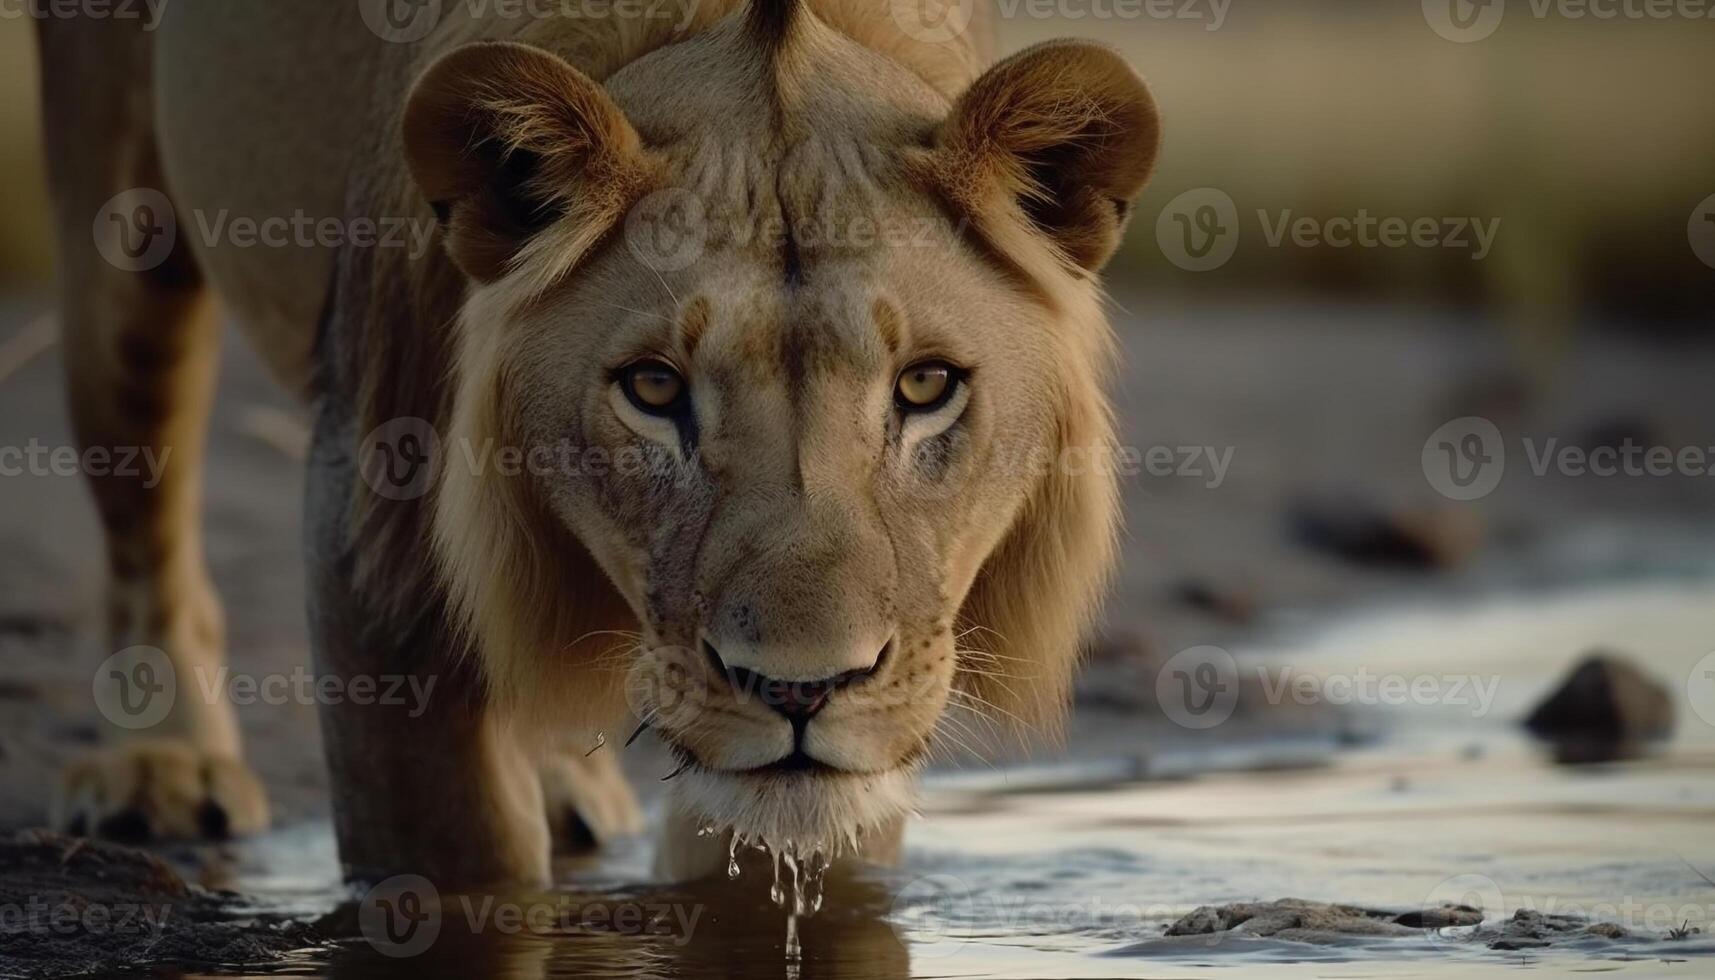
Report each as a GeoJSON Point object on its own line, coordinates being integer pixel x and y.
{"type": "Point", "coordinates": [707, 930]}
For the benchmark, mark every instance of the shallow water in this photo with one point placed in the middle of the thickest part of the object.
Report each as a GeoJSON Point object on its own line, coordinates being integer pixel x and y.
{"type": "Point", "coordinates": [1075, 867]}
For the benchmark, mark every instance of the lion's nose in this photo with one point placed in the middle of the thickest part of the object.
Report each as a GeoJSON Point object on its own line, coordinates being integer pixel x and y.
{"type": "Point", "coordinates": [798, 701]}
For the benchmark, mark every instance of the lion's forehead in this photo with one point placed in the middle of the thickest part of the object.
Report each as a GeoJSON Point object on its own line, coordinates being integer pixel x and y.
{"type": "Point", "coordinates": [824, 199]}
{"type": "Point", "coordinates": [790, 378]}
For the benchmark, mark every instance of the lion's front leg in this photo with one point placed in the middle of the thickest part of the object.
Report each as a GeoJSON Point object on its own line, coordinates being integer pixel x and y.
{"type": "Point", "coordinates": [588, 800]}
{"type": "Point", "coordinates": [425, 778]}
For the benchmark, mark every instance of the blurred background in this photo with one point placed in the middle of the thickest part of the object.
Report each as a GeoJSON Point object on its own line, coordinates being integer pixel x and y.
{"type": "Point", "coordinates": [1379, 230]}
{"type": "Point", "coordinates": [1588, 137]}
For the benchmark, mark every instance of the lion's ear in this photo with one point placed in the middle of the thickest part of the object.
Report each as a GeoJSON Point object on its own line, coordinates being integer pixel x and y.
{"type": "Point", "coordinates": [1063, 134]}
{"type": "Point", "coordinates": [506, 140]}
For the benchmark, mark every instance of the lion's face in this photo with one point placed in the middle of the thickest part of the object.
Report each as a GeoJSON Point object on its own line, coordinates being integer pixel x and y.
{"type": "Point", "coordinates": [806, 471]}
{"type": "Point", "coordinates": [818, 413]}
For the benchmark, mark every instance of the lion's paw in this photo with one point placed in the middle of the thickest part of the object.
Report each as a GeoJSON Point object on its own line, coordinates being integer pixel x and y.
{"type": "Point", "coordinates": [589, 801]}
{"type": "Point", "coordinates": [159, 789]}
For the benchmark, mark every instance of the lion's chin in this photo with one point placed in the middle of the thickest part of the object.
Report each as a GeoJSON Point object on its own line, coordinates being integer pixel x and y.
{"type": "Point", "coordinates": [822, 811]}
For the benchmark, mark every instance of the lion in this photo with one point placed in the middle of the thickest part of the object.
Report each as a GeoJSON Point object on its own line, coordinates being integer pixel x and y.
{"type": "Point", "coordinates": [753, 388]}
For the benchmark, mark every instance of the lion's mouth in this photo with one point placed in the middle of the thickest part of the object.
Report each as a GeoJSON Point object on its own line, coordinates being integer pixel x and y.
{"type": "Point", "coordinates": [795, 763]}
{"type": "Point", "coordinates": [798, 762]}
{"type": "Point", "coordinates": [814, 808]}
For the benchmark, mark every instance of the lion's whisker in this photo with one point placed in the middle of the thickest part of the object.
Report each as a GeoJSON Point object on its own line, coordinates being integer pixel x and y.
{"type": "Point", "coordinates": [626, 634]}
{"type": "Point", "coordinates": [614, 658]}
{"type": "Point", "coordinates": [991, 706]}
{"type": "Point", "coordinates": [962, 738]}
{"type": "Point", "coordinates": [963, 734]}
{"type": "Point", "coordinates": [991, 655]}
{"type": "Point", "coordinates": [977, 628]}
{"type": "Point", "coordinates": [991, 728]}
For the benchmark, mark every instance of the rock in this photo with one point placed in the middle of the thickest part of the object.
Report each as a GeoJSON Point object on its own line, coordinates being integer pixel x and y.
{"type": "Point", "coordinates": [1297, 920]}
{"type": "Point", "coordinates": [1530, 929]}
{"type": "Point", "coordinates": [1420, 538]}
{"type": "Point", "coordinates": [1443, 917]}
{"type": "Point", "coordinates": [1235, 605]}
{"type": "Point", "coordinates": [1606, 698]}
{"type": "Point", "coordinates": [1303, 921]}
{"type": "Point", "coordinates": [82, 906]}
{"type": "Point", "coordinates": [1515, 944]}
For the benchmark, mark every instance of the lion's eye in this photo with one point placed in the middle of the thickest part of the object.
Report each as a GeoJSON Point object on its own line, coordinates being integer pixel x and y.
{"type": "Point", "coordinates": [654, 387]}
{"type": "Point", "coordinates": [926, 387]}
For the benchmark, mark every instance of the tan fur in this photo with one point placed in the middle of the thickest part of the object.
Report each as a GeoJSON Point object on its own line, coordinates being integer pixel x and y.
{"type": "Point", "coordinates": [140, 374]}
{"type": "Point", "coordinates": [863, 206]}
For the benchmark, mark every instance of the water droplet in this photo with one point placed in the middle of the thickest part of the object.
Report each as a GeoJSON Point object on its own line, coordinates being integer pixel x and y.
{"type": "Point", "coordinates": [776, 894]}
{"type": "Point", "coordinates": [732, 857]}
{"type": "Point", "coordinates": [794, 952]}
{"type": "Point", "coordinates": [791, 860]}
